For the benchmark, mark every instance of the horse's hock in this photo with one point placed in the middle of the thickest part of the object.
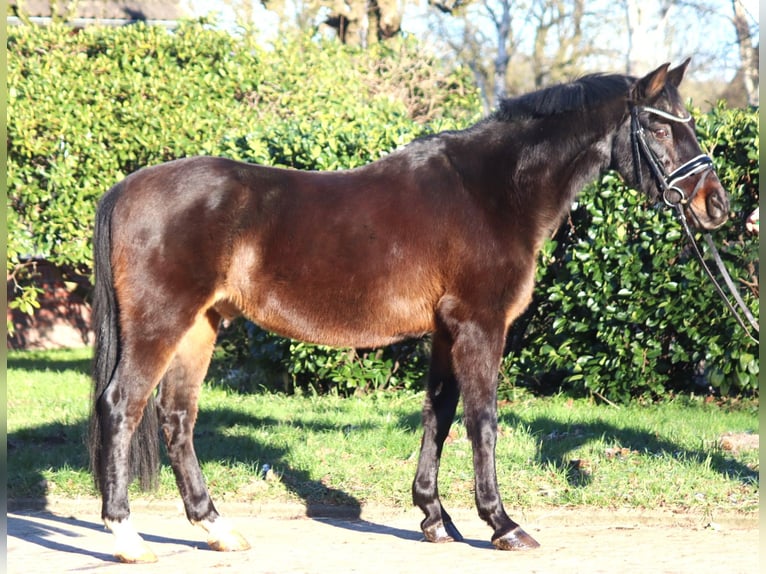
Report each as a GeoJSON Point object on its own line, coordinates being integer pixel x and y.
{"type": "Point", "coordinates": [63, 317]}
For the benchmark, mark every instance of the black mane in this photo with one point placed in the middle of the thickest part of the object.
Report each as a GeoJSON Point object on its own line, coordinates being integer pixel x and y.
{"type": "Point", "coordinates": [587, 92]}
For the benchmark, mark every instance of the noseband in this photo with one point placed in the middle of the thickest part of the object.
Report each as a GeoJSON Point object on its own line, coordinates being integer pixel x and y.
{"type": "Point", "coordinates": [673, 196]}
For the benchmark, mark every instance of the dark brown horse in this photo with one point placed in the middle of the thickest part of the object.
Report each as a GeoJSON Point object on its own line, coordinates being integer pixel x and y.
{"type": "Point", "coordinates": [440, 237]}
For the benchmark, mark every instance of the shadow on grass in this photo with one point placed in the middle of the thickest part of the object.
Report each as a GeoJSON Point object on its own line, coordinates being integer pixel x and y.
{"type": "Point", "coordinates": [211, 443]}
{"type": "Point", "coordinates": [58, 446]}
{"type": "Point", "coordinates": [33, 450]}
{"type": "Point", "coordinates": [33, 361]}
{"type": "Point", "coordinates": [557, 439]}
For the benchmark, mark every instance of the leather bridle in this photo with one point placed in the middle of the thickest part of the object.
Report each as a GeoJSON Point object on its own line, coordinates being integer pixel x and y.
{"type": "Point", "coordinates": [673, 196]}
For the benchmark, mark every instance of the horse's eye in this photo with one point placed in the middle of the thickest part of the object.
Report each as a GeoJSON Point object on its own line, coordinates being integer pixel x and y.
{"type": "Point", "coordinates": [661, 133]}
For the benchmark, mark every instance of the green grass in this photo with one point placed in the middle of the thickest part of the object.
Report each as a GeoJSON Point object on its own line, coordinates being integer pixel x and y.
{"type": "Point", "coordinates": [363, 450]}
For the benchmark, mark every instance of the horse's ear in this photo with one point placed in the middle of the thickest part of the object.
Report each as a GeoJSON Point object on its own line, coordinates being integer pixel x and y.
{"type": "Point", "coordinates": [677, 74]}
{"type": "Point", "coordinates": [650, 86]}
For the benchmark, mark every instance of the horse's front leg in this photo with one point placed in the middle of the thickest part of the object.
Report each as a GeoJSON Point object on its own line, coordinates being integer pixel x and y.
{"type": "Point", "coordinates": [476, 357]}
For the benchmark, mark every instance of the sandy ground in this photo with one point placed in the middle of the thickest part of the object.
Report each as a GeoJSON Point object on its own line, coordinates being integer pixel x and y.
{"type": "Point", "coordinates": [68, 536]}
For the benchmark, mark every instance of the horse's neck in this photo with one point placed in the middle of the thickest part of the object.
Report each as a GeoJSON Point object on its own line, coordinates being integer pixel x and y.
{"type": "Point", "coordinates": [550, 171]}
{"type": "Point", "coordinates": [571, 172]}
{"type": "Point", "coordinates": [531, 170]}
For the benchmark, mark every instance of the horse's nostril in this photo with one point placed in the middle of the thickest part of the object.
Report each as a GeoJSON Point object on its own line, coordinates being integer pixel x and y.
{"type": "Point", "coordinates": [717, 205]}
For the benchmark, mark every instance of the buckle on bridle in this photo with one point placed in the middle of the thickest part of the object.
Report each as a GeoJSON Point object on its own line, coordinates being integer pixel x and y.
{"type": "Point", "coordinates": [674, 196]}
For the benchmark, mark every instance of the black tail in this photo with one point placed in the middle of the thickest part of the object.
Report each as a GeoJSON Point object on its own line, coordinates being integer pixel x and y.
{"type": "Point", "coordinates": [144, 448]}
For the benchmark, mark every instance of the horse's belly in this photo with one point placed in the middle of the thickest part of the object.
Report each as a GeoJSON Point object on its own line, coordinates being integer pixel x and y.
{"type": "Point", "coordinates": [347, 295]}
{"type": "Point", "coordinates": [344, 322]}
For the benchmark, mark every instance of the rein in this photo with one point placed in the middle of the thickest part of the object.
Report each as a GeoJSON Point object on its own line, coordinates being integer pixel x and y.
{"type": "Point", "coordinates": [674, 197]}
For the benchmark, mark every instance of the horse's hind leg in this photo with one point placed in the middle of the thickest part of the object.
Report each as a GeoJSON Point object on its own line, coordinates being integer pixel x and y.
{"type": "Point", "coordinates": [177, 407]}
{"type": "Point", "coordinates": [438, 413]}
{"type": "Point", "coordinates": [121, 412]}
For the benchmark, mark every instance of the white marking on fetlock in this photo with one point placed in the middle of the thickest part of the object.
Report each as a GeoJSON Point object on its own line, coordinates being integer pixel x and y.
{"type": "Point", "coordinates": [129, 546]}
{"type": "Point", "coordinates": [222, 536]}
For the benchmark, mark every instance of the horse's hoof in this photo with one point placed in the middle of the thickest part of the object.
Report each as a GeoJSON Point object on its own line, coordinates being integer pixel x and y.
{"type": "Point", "coordinates": [516, 539]}
{"type": "Point", "coordinates": [134, 551]}
{"type": "Point", "coordinates": [129, 547]}
{"type": "Point", "coordinates": [143, 556]}
{"type": "Point", "coordinates": [232, 541]}
{"type": "Point", "coordinates": [222, 537]}
{"type": "Point", "coordinates": [442, 532]}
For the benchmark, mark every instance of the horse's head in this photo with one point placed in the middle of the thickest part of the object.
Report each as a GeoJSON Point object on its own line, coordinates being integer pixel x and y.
{"type": "Point", "coordinates": [657, 151]}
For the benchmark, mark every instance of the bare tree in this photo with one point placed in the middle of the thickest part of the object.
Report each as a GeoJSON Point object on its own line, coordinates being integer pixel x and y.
{"type": "Point", "coordinates": [648, 33]}
{"type": "Point", "coordinates": [514, 46]}
{"type": "Point", "coordinates": [364, 22]}
{"type": "Point", "coordinates": [561, 48]}
{"type": "Point", "coordinates": [501, 19]}
{"type": "Point", "coordinates": [748, 52]}
{"type": "Point", "coordinates": [466, 38]}
{"type": "Point", "coordinates": [356, 22]}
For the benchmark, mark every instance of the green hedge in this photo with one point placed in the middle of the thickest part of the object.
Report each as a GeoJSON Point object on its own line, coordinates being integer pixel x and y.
{"type": "Point", "coordinates": [620, 308]}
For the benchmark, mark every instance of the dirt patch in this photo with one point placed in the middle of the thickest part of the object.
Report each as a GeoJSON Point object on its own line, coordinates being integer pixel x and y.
{"type": "Point", "coordinates": [737, 442]}
{"type": "Point", "coordinates": [384, 540]}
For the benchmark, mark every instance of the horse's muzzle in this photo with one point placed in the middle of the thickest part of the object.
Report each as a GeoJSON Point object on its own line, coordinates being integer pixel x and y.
{"type": "Point", "coordinates": [709, 206]}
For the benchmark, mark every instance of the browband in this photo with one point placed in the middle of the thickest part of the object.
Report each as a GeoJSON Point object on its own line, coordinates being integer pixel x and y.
{"type": "Point", "coordinates": [666, 115]}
